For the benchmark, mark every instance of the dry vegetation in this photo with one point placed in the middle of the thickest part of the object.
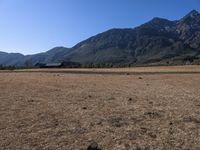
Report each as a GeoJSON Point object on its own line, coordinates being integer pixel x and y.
{"type": "Point", "coordinates": [66, 111]}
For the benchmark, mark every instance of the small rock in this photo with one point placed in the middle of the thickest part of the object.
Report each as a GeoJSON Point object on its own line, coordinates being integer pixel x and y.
{"type": "Point", "coordinates": [152, 135]}
{"type": "Point", "coordinates": [151, 103]}
{"type": "Point", "coordinates": [93, 146]}
{"type": "Point", "coordinates": [99, 123]}
{"type": "Point", "coordinates": [30, 100]}
{"type": "Point", "coordinates": [198, 105]}
{"type": "Point", "coordinates": [143, 130]}
{"type": "Point", "coordinates": [152, 114]}
{"type": "Point", "coordinates": [130, 99]}
{"type": "Point", "coordinates": [84, 108]}
{"type": "Point", "coordinates": [140, 78]}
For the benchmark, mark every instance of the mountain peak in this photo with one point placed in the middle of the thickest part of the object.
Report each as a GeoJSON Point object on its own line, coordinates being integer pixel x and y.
{"type": "Point", "coordinates": [158, 20]}
{"type": "Point", "coordinates": [193, 17]}
{"type": "Point", "coordinates": [157, 23]}
{"type": "Point", "coordinates": [193, 13]}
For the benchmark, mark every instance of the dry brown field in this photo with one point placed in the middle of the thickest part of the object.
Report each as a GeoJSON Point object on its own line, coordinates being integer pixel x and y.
{"type": "Point", "coordinates": [152, 108]}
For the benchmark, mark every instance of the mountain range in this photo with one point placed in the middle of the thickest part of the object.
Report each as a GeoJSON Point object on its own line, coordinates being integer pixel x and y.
{"type": "Point", "coordinates": [159, 41]}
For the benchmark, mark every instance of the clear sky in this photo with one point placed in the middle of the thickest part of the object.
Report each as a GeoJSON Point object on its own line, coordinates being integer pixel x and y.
{"type": "Point", "coordinates": [32, 26]}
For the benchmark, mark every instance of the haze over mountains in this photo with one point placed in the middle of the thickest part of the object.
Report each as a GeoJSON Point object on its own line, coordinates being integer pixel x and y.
{"type": "Point", "coordinates": [157, 41]}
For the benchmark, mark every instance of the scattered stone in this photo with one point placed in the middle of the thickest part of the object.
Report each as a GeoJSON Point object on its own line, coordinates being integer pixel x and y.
{"type": "Point", "coordinates": [56, 75]}
{"type": "Point", "coordinates": [96, 123]}
{"type": "Point", "coordinates": [171, 131]}
{"type": "Point", "coordinates": [56, 123]}
{"type": "Point", "coordinates": [130, 99]}
{"type": "Point", "coordinates": [99, 123]}
{"type": "Point", "coordinates": [84, 108]}
{"type": "Point", "coordinates": [143, 130]}
{"type": "Point", "coordinates": [198, 105]}
{"type": "Point", "coordinates": [151, 103]}
{"type": "Point", "coordinates": [93, 146]}
{"type": "Point", "coordinates": [30, 100]}
{"type": "Point", "coordinates": [152, 135]}
{"type": "Point", "coordinates": [152, 114]}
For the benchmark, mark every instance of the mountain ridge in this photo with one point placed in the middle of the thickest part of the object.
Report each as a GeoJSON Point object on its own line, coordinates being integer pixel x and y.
{"type": "Point", "coordinates": [157, 41]}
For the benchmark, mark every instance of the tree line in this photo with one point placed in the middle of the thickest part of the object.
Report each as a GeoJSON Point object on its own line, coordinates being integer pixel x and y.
{"type": "Point", "coordinates": [10, 67]}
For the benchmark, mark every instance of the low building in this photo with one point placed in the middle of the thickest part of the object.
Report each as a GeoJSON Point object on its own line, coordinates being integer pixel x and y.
{"type": "Point", "coordinates": [53, 65]}
{"type": "Point", "coordinates": [66, 64]}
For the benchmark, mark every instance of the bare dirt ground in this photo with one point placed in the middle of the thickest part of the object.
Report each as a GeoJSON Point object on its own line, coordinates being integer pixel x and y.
{"type": "Point", "coordinates": [68, 111]}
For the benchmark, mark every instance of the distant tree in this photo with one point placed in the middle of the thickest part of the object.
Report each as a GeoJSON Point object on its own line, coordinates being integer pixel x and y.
{"type": "Point", "coordinates": [1, 67]}
{"type": "Point", "coordinates": [11, 68]}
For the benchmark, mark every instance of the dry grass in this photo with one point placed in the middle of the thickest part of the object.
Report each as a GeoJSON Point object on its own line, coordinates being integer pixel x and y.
{"type": "Point", "coordinates": [120, 112]}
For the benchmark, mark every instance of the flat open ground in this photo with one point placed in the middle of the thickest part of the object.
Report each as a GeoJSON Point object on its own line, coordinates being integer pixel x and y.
{"type": "Point", "coordinates": [137, 108]}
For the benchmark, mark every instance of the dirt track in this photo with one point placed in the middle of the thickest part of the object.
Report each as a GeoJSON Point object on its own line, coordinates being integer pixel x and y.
{"type": "Point", "coordinates": [43, 110]}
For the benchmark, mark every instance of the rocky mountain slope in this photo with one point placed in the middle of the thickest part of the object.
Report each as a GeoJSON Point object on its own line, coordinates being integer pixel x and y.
{"type": "Point", "coordinates": [154, 41]}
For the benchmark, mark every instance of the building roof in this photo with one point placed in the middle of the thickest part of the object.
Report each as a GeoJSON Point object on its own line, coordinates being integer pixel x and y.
{"type": "Point", "coordinates": [53, 64]}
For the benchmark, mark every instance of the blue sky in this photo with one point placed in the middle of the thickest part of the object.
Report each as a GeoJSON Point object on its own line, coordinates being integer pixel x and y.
{"type": "Point", "coordinates": [32, 26]}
